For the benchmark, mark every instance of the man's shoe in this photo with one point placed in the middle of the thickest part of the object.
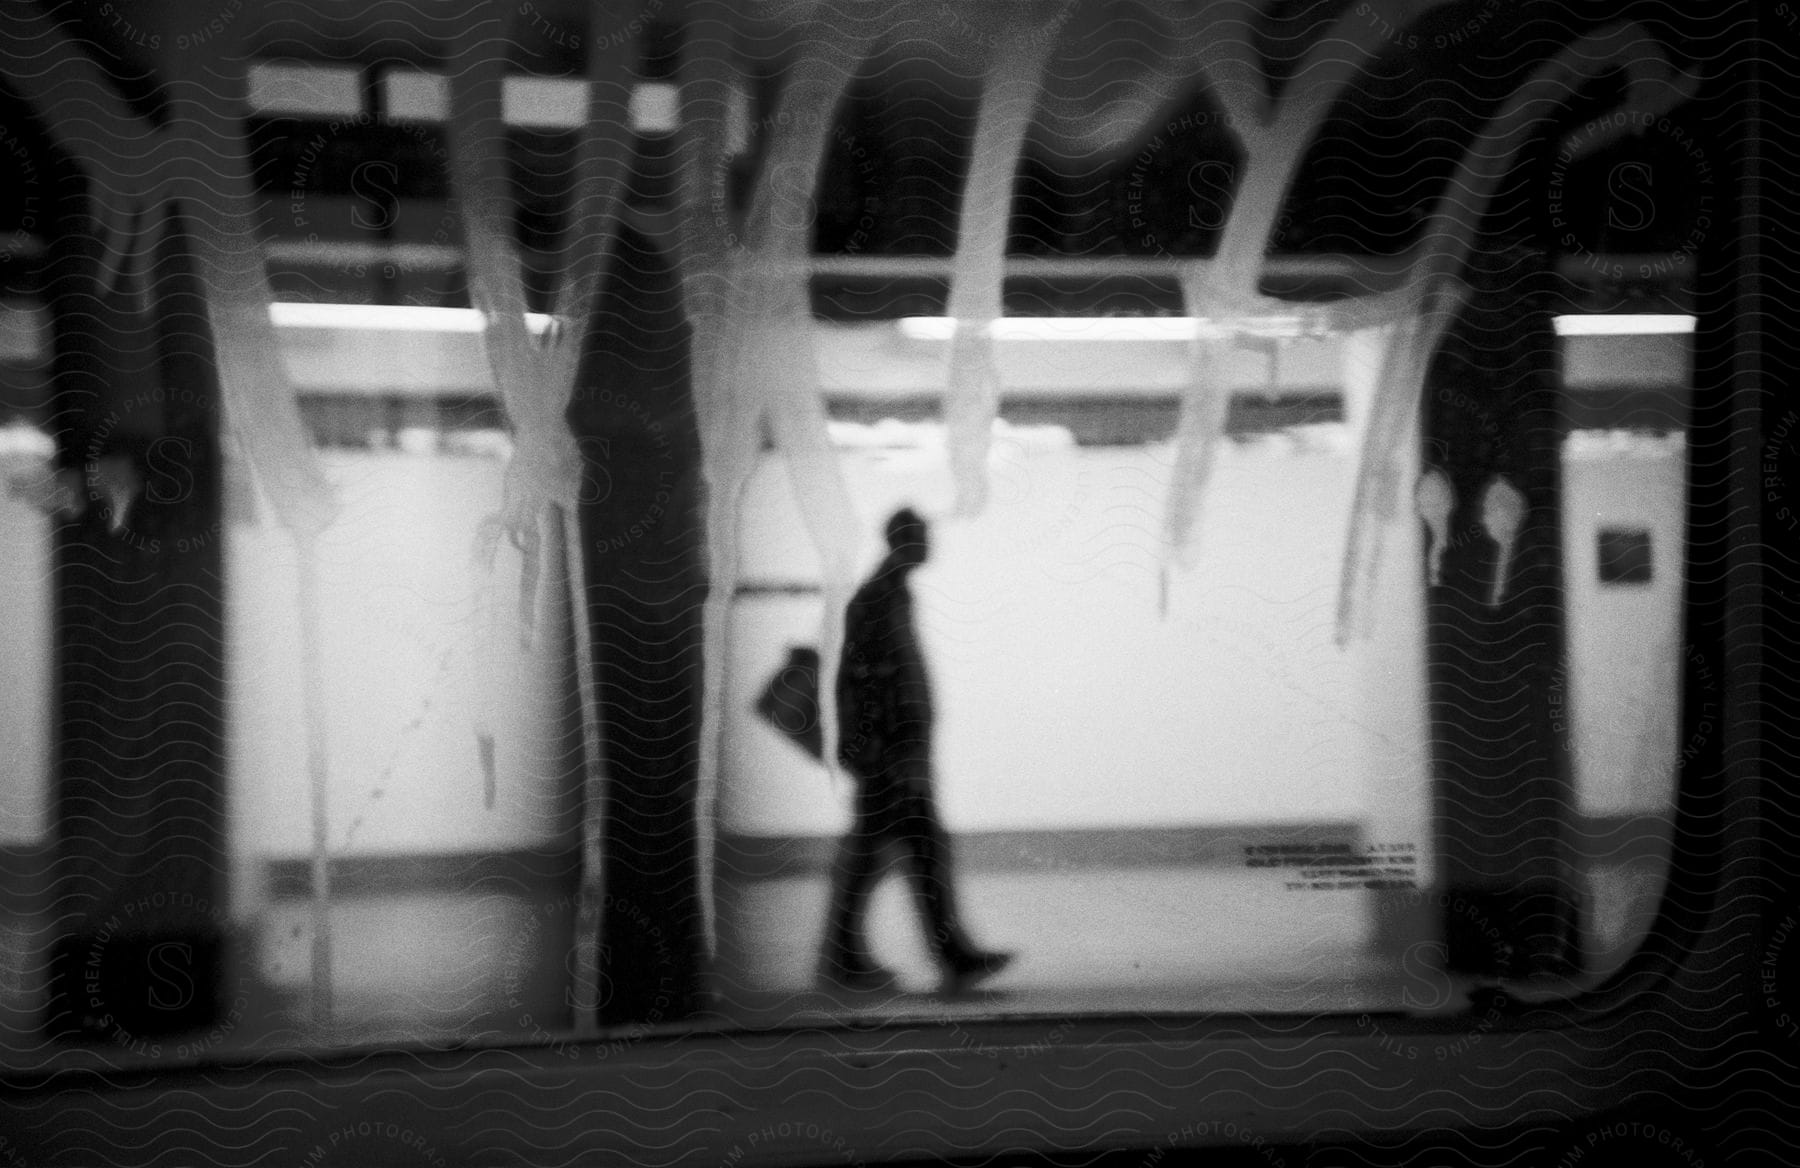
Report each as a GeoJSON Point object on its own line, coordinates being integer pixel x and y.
{"type": "Point", "coordinates": [975, 965]}
{"type": "Point", "coordinates": [861, 979]}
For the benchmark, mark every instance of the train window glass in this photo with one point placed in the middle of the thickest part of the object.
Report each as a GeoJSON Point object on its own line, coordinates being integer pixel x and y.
{"type": "Point", "coordinates": [1214, 494]}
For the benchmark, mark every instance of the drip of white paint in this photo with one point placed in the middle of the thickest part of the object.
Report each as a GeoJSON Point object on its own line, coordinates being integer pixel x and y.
{"type": "Point", "coordinates": [972, 398]}
{"type": "Point", "coordinates": [535, 376]}
{"type": "Point", "coordinates": [749, 301]}
{"type": "Point", "coordinates": [1197, 432]}
{"type": "Point", "coordinates": [1388, 431]}
{"type": "Point", "coordinates": [1502, 515]}
{"type": "Point", "coordinates": [1435, 498]}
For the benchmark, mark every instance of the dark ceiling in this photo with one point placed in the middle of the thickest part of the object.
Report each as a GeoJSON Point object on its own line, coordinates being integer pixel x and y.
{"type": "Point", "coordinates": [1365, 187]}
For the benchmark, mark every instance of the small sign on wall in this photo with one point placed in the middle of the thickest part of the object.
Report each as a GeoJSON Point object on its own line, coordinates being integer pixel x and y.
{"type": "Point", "coordinates": [1624, 556]}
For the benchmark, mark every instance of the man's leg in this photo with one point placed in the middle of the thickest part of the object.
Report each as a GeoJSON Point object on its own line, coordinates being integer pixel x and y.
{"type": "Point", "coordinates": [928, 863]}
{"type": "Point", "coordinates": [854, 873]}
{"type": "Point", "coordinates": [934, 882]}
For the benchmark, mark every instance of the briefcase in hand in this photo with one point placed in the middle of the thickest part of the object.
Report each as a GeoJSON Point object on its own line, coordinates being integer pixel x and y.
{"type": "Point", "coordinates": [790, 702]}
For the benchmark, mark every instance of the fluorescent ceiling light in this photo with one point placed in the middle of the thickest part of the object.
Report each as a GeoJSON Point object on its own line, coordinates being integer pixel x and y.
{"type": "Point", "coordinates": [413, 95]}
{"type": "Point", "coordinates": [1188, 328]}
{"type": "Point", "coordinates": [389, 317]}
{"type": "Point", "coordinates": [655, 108]}
{"type": "Point", "coordinates": [544, 102]}
{"type": "Point", "coordinates": [1630, 324]}
{"type": "Point", "coordinates": [1064, 328]}
{"type": "Point", "coordinates": [417, 95]}
{"type": "Point", "coordinates": [418, 318]}
{"type": "Point", "coordinates": [303, 87]}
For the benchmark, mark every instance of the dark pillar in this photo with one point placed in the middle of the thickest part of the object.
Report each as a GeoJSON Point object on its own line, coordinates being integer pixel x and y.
{"type": "Point", "coordinates": [643, 545]}
{"type": "Point", "coordinates": [139, 650]}
{"type": "Point", "coordinates": [1504, 795]}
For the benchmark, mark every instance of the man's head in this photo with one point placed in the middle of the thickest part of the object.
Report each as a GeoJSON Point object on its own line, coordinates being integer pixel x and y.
{"type": "Point", "coordinates": [908, 539]}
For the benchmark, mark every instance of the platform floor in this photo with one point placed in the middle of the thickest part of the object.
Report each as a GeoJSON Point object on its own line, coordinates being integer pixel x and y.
{"type": "Point", "coordinates": [1163, 930]}
{"type": "Point", "coordinates": [458, 969]}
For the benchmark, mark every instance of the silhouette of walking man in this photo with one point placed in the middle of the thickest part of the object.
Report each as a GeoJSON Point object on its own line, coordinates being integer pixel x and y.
{"type": "Point", "coordinates": [884, 740]}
